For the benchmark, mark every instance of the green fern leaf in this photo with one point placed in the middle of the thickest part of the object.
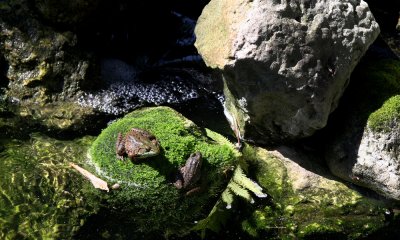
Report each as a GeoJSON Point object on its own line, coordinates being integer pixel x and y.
{"type": "Point", "coordinates": [240, 178]}
{"type": "Point", "coordinates": [240, 191]}
{"type": "Point", "coordinates": [227, 197]}
{"type": "Point", "coordinates": [222, 140]}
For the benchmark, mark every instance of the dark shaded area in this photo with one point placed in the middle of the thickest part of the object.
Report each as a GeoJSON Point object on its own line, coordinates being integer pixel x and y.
{"type": "Point", "coordinates": [390, 232]}
{"type": "Point", "coordinates": [359, 100]}
{"type": "Point", "coordinates": [386, 13]}
{"type": "Point", "coordinates": [131, 30]}
{"type": "Point", "coordinates": [109, 225]}
{"type": "Point", "coordinates": [3, 73]}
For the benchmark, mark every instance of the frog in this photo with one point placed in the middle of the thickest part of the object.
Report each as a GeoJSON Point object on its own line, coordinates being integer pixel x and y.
{"type": "Point", "coordinates": [136, 144]}
{"type": "Point", "coordinates": [189, 174]}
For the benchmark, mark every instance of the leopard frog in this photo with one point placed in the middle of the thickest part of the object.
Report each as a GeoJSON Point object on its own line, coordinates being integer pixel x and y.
{"type": "Point", "coordinates": [190, 173]}
{"type": "Point", "coordinates": [137, 144]}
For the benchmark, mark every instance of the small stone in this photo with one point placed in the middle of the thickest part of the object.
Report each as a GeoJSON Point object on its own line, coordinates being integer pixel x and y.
{"type": "Point", "coordinates": [115, 186]}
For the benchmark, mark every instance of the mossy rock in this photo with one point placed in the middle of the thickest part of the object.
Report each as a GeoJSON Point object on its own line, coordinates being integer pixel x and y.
{"type": "Point", "coordinates": [377, 83]}
{"type": "Point", "coordinates": [307, 205]}
{"type": "Point", "coordinates": [147, 193]}
{"type": "Point", "coordinates": [383, 119]}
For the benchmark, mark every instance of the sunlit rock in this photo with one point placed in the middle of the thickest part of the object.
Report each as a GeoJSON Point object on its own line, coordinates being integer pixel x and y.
{"type": "Point", "coordinates": [285, 63]}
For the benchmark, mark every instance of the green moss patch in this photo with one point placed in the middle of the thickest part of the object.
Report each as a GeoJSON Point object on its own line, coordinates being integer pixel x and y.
{"type": "Point", "coordinates": [146, 190]}
{"type": "Point", "coordinates": [326, 209]}
{"type": "Point", "coordinates": [374, 84]}
{"type": "Point", "coordinates": [383, 118]}
{"type": "Point", "coordinates": [41, 197]}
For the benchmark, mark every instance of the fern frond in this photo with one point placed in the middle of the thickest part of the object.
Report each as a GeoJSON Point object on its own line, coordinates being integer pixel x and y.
{"type": "Point", "coordinates": [243, 164]}
{"type": "Point", "coordinates": [222, 140]}
{"type": "Point", "coordinates": [227, 197]}
{"type": "Point", "coordinates": [240, 178]}
{"type": "Point", "coordinates": [240, 191]}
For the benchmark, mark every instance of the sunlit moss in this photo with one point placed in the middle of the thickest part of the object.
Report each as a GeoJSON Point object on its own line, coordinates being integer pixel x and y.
{"type": "Point", "coordinates": [147, 193]}
{"type": "Point", "coordinates": [330, 210]}
{"type": "Point", "coordinates": [384, 118]}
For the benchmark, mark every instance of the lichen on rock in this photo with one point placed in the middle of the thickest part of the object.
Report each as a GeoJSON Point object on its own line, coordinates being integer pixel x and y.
{"type": "Point", "coordinates": [147, 193]}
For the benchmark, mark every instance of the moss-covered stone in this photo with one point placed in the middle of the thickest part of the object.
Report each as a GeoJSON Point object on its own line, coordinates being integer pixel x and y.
{"type": "Point", "coordinates": [147, 193]}
{"type": "Point", "coordinates": [379, 82]}
{"type": "Point", "coordinates": [306, 205]}
{"type": "Point", "coordinates": [41, 197]}
{"type": "Point", "coordinates": [384, 118]}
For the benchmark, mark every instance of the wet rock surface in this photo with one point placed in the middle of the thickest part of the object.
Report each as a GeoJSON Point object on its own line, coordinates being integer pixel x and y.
{"type": "Point", "coordinates": [44, 70]}
{"type": "Point", "coordinates": [285, 65]}
{"type": "Point", "coordinates": [62, 70]}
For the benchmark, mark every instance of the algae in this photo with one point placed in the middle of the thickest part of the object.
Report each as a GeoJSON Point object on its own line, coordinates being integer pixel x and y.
{"type": "Point", "coordinates": [40, 196]}
{"type": "Point", "coordinates": [147, 193]}
{"type": "Point", "coordinates": [329, 209]}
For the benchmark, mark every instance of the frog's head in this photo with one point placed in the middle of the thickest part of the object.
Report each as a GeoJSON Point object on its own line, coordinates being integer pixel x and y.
{"type": "Point", "coordinates": [141, 144]}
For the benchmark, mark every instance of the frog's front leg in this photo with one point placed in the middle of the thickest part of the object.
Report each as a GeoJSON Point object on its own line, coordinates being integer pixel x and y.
{"type": "Point", "coordinates": [178, 183]}
{"type": "Point", "coordinates": [120, 147]}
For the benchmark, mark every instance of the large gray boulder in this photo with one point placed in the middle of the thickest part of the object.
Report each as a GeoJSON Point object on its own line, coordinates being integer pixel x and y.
{"type": "Point", "coordinates": [285, 63]}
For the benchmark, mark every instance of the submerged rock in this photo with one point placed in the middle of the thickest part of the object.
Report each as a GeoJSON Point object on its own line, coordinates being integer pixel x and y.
{"type": "Point", "coordinates": [285, 65]}
{"type": "Point", "coordinates": [58, 73]}
{"type": "Point", "coordinates": [40, 196]}
{"type": "Point", "coordinates": [365, 151]}
{"type": "Point", "coordinates": [306, 202]}
{"type": "Point", "coordinates": [147, 200]}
